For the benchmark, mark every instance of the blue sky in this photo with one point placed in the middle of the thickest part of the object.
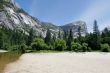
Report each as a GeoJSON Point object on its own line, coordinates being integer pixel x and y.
{"type": "Point", "coordinates": [61, 12]}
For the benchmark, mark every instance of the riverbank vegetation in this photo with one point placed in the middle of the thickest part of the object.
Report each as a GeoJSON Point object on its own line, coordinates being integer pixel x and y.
{"type": "Point", "coordinates": [15, 40]}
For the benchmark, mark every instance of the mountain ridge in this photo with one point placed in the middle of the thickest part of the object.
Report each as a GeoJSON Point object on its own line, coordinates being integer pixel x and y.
{"type": "Point", "coordinates": [14, 17]}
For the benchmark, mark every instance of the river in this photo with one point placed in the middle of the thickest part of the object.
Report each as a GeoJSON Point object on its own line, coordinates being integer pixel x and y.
{"type": "Point", "coordinates": [6, 58]}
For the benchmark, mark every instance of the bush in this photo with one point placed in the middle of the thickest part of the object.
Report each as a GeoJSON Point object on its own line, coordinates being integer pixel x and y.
{"type": "Point", "coordinates": [105, 48]}
{"type": "Point", "coordinates": [76, 47]}
{"type": "Point", "coordinates": [22, 48]}
{"type": "Point", "coordinates": [106, 40]}
{"type": "Point", "coordinates": [6, 46]}
{"type": "Point", "coordinates": [29, 48]}
{"type": "Point", "coordinates": [19, 48]}
{"type": "Point", "coordinates": [39, 44]}
{"type": "Point", "coordinates": [14, 48]}
{"type": "Point", "coordinates": [89, 49]}
{"type": "Point", "coordinates": [85, 47]}
{"type": "Point", "coordinates": [45, 47]}
{"type": "Point", "coordinates": [60, 44]}
{"type": "Point", "coordinates": [50, 47]}
{"type": "Point", "coordinates": [36, 46]}
{"type": "Point", "coordinates": [38, 40]}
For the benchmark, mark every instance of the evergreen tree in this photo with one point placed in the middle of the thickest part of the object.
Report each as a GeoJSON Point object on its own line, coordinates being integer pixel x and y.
{"type": "Point", "coordinates": [53, 40]}
{"type": "Point", "coordinates": [70, 35]}
{"type": "Point", "coordinates": [59, 34]}
{"type": "Point", "coordinates": [105, 33]}
{"type": "Point", "coordinates": [65, 35]}
{"type": "Point", "coordinates": [1, 1]}
{"type": "Point", "coordinates": [54, 37]}
{"type": "Point", "coordinates": [96, 37]}
{"type": "Point", "coordinates": [79, 34]}
{"type": "Point", "coordinates": [40, 36]}
{"type": "Point", "coordinates": [48, 37]}
{"type": "Point", "coordinates": [105, 36]}
{"type": "Point", "coordinates": [30, 37]}
{"type": "Point", "coordinates": [70, 39]}
{"type": "Point", "coordinates": [1, 40]}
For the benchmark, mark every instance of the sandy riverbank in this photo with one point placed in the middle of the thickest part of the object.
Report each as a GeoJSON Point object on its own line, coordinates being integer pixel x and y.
{"type": "Point", "coordinates": [2, 51]}
{"type": "Point", "coordinates": [61, 63]}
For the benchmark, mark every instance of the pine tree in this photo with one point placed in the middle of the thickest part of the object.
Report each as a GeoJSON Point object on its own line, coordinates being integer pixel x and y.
{"type": "Point", "coordinates": [53, 40]}
{"type": "Point", "coordinates": [71, 35]}
{"type": "Point", "coordinates": [79, 34]}
{"type": "Point", "coordinates": [65, 35]}
{"type": "Point", "coordinates": [96, 37]}
{"type": "Point", "coordinates": [54, 37]}
{"type": "Point", "coordinates": [30, 37]}
{"type": "Point", "coordinates": [105, 36]}
{"type": "Point", "coordinates": [70, 39]}
{"type": "Point", "coordinates": [48, 37]}
{"type": "Point", "coordinates": [1, 1]}
{"type": "Point", "coordinates": [105, 33]}
{"type": "Point", "coordinates": [59, 34]}
{"type": "Point", "coordinates": [1, 39]}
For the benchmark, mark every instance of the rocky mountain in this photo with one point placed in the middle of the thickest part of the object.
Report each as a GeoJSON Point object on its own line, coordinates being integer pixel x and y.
{"type": "Point", "coordinates": [14, 17]}
{"type": "Point", "coordinates": [74, 26]}
{"type": "Point", "coordinates": [108, 27]}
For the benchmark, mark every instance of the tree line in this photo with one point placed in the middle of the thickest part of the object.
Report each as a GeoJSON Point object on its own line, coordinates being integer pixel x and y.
{"type": "Point", "coordinates": [16, 40]}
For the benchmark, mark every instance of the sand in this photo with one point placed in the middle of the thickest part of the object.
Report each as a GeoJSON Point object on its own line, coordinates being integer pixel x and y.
{"type": "Point", "coordinates": [2, 51]}
{"type": "Point", "coordinates": [61, 63]}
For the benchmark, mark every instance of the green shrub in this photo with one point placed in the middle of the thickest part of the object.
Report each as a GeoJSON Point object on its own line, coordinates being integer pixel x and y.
{"type": "Point", "coordinates": [84, 47]}
{"type": "Point", "coordinates": [39, 44]}
{"type": "Point", "coordinates": [23, 48]}
{"type": "Point", "coordinates": [34, 46]}
{"type": "Point", "coordinates": [29, 48]}
{"type": "Point", "coordinates": [106, 40]}
{"type": "Point", "coordinates": [89, 49]}
{"type": "Point", "coordinates": [50, 47]}
{"type": "Point", "coordinates": [45, 47]}
{"type": "Point", "coordinates": [38, 40]}
{"type": "Point", "coordinates": [60, 44]}
{"type": "Point", "coordinates": [14, 48]}
{"type": "Point", "coordinates": [76, 47]}
{"type": "Point", "coordinates": [105, 48]}
{"type": "Point", "coordinates": [19, 48]}
{"type": "Point", "coordinates": [6, 46]}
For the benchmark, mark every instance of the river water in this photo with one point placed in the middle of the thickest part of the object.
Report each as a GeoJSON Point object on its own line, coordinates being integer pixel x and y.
{"type": "Point", "coordinates": [6, 58]}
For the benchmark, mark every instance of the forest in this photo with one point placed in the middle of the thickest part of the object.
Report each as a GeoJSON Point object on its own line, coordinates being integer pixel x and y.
{"type": "Point", "coordinates": [16, 40]}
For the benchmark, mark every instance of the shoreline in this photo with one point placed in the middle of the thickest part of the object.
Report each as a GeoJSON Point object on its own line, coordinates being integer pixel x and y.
{"type": "Point", "coordinates": [3, 51]}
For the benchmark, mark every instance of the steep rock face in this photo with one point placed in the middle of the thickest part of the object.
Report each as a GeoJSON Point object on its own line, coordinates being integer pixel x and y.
{"type": "Point", "coordinates": [74, 26]}
{"type": "Point", "coordinates": [108, 28]}
{"type": "Point", "coordinates": [14, 17]}
{"type": "Point", "coordinates": [54, 29]}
